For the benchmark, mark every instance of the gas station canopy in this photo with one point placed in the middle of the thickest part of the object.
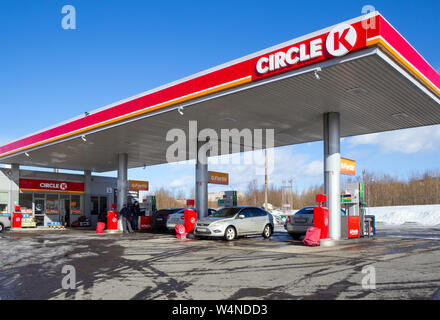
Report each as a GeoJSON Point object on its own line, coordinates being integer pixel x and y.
{"type": "Point", "coordinates": [363, 69]}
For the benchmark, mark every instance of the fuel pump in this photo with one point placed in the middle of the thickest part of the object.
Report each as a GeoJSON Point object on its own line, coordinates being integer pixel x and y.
{"type": "Point", "coordinates": [149, 204]}
{"type": "Point", "coordinates": [352, 201]}
{"type": "Point", "coordinates": [230, 198]}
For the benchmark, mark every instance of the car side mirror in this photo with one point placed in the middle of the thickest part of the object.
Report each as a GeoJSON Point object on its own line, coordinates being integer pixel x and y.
{"type": "Point", "coordinates": [241, 216]}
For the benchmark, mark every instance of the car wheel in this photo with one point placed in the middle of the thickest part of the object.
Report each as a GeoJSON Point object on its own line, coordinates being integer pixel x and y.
{"type": "Point", "coordinates": [267, 232]}
{"type": "Point", "coordinates": [230, 233]}
{"type": "Point", "coordinates": [1, 227]}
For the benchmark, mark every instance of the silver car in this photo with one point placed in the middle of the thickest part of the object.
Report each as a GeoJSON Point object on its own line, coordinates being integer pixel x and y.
{"type": "Point", "coordinates": [5, 221]}
{"type": "Point", "coordinates": [232, 222]}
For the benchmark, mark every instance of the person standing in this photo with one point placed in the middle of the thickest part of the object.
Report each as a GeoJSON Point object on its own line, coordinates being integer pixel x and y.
{"type": "Point", "coordinates": [125, 215]}
{"type": "Point", "coordinates": [135, 212]}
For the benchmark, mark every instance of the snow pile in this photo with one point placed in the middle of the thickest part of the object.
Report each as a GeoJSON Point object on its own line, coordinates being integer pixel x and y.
{"type": "Point", "coordinates": [426, 215]}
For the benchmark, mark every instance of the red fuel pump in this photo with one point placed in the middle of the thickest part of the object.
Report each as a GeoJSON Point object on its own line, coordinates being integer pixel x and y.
{"type": "Point", "coordinates": [320, 216]}
{"type": "Point", "coordinates": [190, 219]}
{"type": "Point", "coordinates": [16, 217]}
{"type": "Point", "coordinates": [112, 218]}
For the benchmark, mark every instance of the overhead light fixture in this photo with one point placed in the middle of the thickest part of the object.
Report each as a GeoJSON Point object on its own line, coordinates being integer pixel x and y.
{"type": "Point", "coordinates": [356, 90]}
{"type": "Point", "coordinates": [316, 73]}
{"type": "Point", "coordinates": [400, 115]}
{"type": "Point", "coordinates": [26, 154]}
{"type": "Point", "coordinates": [228, 119]}
{"type": "Point", "coordinates": [84, 138]}
{"type": "Point", "coordinates": [180, 109]}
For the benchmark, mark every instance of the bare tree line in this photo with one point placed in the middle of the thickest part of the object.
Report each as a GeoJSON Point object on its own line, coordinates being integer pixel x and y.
{"type": "Point", "coordinates": [384, 190]}
{"type": "Point", "coordinates": [380, 190]}
{"type": "Point", "coordinates": [254, 196]}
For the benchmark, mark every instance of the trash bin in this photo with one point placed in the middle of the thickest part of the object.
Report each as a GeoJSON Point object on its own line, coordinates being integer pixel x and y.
{"type": "Point", "coordinates": [112, 221]}
{"type": "Point", "coordinates": [190, 219]}
{"type": "Point", "coordinates": [100, 227]}
{"type": "Point", "coordinates": [16, 217]}
{"type": "Point", "coordinates": [180, 231]}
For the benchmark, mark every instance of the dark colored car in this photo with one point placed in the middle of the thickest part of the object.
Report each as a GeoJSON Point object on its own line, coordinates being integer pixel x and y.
{"type": "Point", "coordinates": [160, 217]}
{"type": "Point", "coordinates": [297, 224]}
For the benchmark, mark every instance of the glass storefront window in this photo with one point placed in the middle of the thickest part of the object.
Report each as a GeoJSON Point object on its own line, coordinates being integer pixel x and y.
{"type": "Point", "coordinates": [103, 205]}
{"type": "Point", "coordinates": [4, 199]}
{"type": "Point", "coordinates": [76, 204]}
{"type": "Point", "coordinates": [52, 204]}
{"type": "Point", "coordinates": [25, 201]}
{"type": "Point", "coordinates": [94, 205]}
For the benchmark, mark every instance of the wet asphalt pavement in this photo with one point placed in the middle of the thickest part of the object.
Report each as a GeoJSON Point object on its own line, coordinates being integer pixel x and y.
{"type": "Point", "coordinates": [406, 260]}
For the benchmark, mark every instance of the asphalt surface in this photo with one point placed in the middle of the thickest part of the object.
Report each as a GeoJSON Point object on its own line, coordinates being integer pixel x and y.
{"type": "Point", "coordinates": [406, 260]}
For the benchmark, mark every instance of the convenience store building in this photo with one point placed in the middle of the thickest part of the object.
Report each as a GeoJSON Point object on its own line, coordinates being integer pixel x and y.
{"type": "Point", "coordinates": [54, 196]}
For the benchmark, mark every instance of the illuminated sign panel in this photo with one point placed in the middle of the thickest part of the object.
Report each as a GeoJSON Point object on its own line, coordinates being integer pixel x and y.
{"type": "Point", "coordinates": [136, 185]}
{"type": "Point", "coordinates": [348, 167]}
{"type": "Point", "coordinates": [218, 178]}
{"type": "Point", "coordinates": [51, 186]}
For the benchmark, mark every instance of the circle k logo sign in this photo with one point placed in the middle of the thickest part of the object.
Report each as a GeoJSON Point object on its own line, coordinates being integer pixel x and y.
{"type": "Point", "coordinates": [63, 186]}
{"type": "Point", "coordinates": [338, 42]}
{"type": "Point", "coordinates": [341, 40]}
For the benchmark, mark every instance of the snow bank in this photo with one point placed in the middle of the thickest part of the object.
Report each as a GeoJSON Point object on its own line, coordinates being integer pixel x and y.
{"type": "Point", "coordinates": [427, 215]}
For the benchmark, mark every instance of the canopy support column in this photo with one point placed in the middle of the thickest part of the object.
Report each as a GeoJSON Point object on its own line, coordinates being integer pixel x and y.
{"type": "Point", "coordinates": [87, 192]}
{"type": "Point", "coordinates": [202, 178]}
{"type": "Point", "coordinates": [122, 179]}
{"type": "Point", "coordinates": [14, 187]}
{"type": "Point", "coordinates": [332, 171]}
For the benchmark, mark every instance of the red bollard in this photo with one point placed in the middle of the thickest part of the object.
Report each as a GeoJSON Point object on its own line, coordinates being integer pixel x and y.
{"type": "Point", "coordinates": [320, 216]}
{"type": "Point", "coordinates": [190, 219]}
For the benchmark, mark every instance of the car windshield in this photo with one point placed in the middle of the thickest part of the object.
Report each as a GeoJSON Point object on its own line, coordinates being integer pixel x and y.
{"type": "Point", "coordinates": [225, 213]}
{"type": "Point", "coordinates": [306, 210]}
{"type": "Point", "coordinates": [166, 211]}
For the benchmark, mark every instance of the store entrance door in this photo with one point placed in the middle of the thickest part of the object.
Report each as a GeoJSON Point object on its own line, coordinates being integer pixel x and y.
{"type": "Point", "coordinates": [40, 205]}
{"type": "Point", "coordinates": [65, 210]}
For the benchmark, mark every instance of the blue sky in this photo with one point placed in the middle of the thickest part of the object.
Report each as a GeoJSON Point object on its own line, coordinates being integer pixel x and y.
{"type": "Point", "coordinates": [122, 48]}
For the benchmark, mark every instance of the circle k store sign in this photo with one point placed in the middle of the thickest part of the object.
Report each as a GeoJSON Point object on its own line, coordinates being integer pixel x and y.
{"type": "Point", "coordinates": [341, 40]}
{"type": "Point", "coordinates": [51, 186]}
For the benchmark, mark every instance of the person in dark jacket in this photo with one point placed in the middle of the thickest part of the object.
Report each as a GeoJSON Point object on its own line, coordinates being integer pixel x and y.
{"type": "Point", "coordinates": [125, 215]}
{"type": "Point", "coordinates": [135, 213]}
